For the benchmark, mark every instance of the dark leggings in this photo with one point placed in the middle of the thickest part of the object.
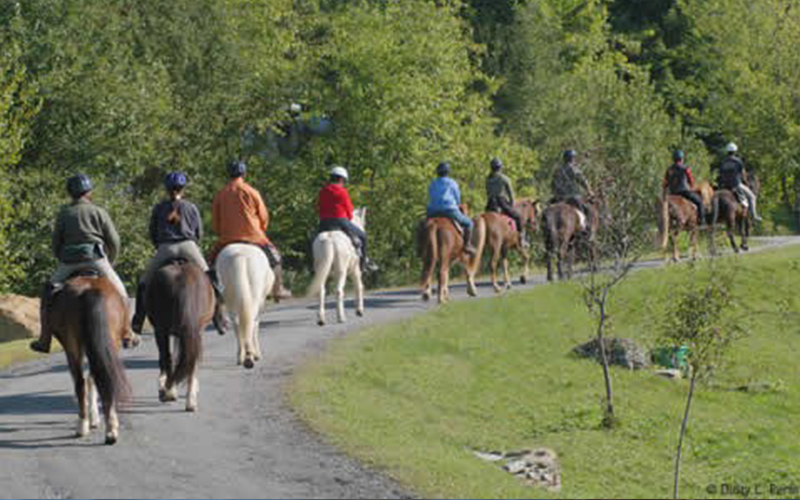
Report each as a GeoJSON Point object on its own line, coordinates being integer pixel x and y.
{"type": "Point", "coordinates": [695, 199]}
{"type": "Point", "coordinates": [355, 233]}
{"type": "Point", "coordinates": [503, 206]}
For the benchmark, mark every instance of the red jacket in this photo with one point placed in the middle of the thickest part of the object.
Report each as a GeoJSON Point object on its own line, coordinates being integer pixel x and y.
{"type": "Point", "coordinates": [334, 203]}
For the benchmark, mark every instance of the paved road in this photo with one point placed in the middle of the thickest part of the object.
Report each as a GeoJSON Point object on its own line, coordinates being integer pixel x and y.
{"type": "Point", "coordinates": [244, 442]}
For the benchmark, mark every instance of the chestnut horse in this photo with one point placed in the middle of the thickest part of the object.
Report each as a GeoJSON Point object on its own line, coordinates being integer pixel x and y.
{"type": "Point", "coordinates": [88, 316]}
{"type": "Point", "coordinates": [180, 303]}
{"type": "Point", "coordinates": [563, 226]}
{"type": "Point", "coordinates": [676, 214]}
{"type": "Point", "coordinates": [439, 241]}
{"type": "Point", "coordinates": [502, 236]}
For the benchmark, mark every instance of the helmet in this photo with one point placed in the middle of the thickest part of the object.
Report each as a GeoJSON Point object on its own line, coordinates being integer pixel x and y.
{"type": "Point", "coordinates": [338, 171]}
{"type": "Point", "coordinates": [731, 147]}
{"type": "Point", "coordinates": [175, 180]}
{"type": "Point", "coordinates": [496, 164]}
{"type": "Point", "coordinates": [570, 155]}
{"type": "Point", "coordinates": [237, 168]}
{"type": "Point", "coordinates": [443, 169]}
{"type": "Point", "coordinates": [78, 185]}
{"type": "Point", "coordinates": [295, 108]}
{"type": "Point", "coordinates": [678, 155]}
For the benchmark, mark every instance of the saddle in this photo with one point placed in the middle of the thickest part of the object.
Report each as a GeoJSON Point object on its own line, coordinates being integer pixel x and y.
{"type": "Point", "coordinates": [180, 261]}
{"type": "Point", "coordinates": [456, 225]}
{"type": "Point", "coordinates": [85, 272]}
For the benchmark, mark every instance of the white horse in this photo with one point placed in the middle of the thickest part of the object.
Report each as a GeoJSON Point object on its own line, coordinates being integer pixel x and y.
{"type": "Point", "coordinates": [246, 277]}
{"type": "Point", "coordinates": [333, 250]}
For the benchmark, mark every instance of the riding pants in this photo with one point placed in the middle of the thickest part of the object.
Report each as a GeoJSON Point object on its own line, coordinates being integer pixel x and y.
{"type": "Point", "coordinates": [697, 201]}
{"type": "Point", "coordinates": [102, 266]}
{"type": "Point", "coordinates": [751, 198]}
{"type": "Point", "coordinates": [186, 249]}
{"type": "Point", "coordinates": [454, 214]}
{"type": "Point", "coordinates": [502, 205]}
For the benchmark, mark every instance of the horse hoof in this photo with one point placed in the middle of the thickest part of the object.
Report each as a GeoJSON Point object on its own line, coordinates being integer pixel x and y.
{"type": "Point", "coordinates": [248, 363]}
{"type": "Point", "coordinates": [426, 296]}
{"type": "Point", "coordinates": [523, 280]}
{"type": "Point", "coordinates": [360, 314]}
{"type": "Point", "coordinates": [191, 408]}
{"type": "Point", "coordinates": [111, 439]}
{"type": "Point", "coordinates": [745, 248]}
{"type": "Point", "coordinates": [321, 322]}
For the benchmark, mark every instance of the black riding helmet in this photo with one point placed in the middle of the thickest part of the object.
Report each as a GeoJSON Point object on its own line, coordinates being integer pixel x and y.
{"type": "Point", "coordinates": [678, 155]}
{"type": "Point", "coordinates": [237, 168]}
{"type": "Point", "coordinates": [496, 164]}
{"type": "Point", "coordinates": [78, 185]}
{"type": "Point", "coordinates": [443, 169]}
{"type": "Point", "coordinates": [570, 155]}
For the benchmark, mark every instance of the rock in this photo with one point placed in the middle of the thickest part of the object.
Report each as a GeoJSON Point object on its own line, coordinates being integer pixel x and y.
{"type": "Point", "coordinates": [19, 317]}
{"type": "Point", "coordinates": [669, 373]}
{"type": "Point", "coordinates": [538, 467]}
{"type": "Point", "coordinates": [516, 467]}
{"type": "Point", "coordinates": [492, 456]}
{"type": "Point", "coordinates": [620, 351]}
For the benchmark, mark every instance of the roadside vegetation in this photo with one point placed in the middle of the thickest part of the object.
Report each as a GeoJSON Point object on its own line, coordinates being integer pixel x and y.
{"type": "Point", "coordinates": [414, 398]}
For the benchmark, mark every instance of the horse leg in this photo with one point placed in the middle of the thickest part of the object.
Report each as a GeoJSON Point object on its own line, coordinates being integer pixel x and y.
{"type": "Point", "coordinates": [427, 275]}
{"type": "Point", "coordinates": [526, 259]}
{"type": "Point", "coordinates": [506, 279]}
{"type": "Point", "coordinates": [76, 370]}
{"type": "Point", "coordinates": [731, 237]}
{"type": "Point", "coordinates": [112, 424]}
{"type": "Point", "coordinates": [341, 281]}
{"type": "Point", "coordinates": [693, 242]}
{"type": "Point", "coordinates": [165, 393]}
{"type": "Point", "coordinates": [359, 285]}
{"type": "Point", "coordinates": [676, 254]}
{"type": "Point", "coordinates": [94, 413]}
{"type": "Point", "coordinates": [321, 312]}
{"type": "Point", "coordinates": [495, 260]}
{"type": "Point", "coordinates": [745, 232]}
{"type": "Point", "coordinates": [192, 388]}
{"type": "Point", "coordinates": [444, 271]}
{"type": "Point", "coordinates": [256, 341]}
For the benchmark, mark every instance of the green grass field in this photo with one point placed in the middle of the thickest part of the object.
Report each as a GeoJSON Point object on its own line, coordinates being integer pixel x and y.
{"type": "Point", "coordinates": [17, 351]}
{"type": "Point", "coordinates": [413, 398]}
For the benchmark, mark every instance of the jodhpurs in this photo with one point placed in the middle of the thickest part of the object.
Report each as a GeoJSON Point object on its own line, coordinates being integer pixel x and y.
{"type": "Point", "coordinates": [186, 249]}
{"type": "Point", "coordinates": [102, 266]}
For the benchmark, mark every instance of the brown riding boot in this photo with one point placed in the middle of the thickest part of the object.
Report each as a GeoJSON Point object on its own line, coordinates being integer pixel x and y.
{"type": "Point", "coordinates": [42, 344]}
{"type": "Point", "coordinates": [278, 291]}
{"type": "Point", "coordinates": [469, 249]}
{"type": "Point", "coordinates": [137, 322]}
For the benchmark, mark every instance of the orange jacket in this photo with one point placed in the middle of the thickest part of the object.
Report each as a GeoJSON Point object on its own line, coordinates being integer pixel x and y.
{"type": "Point", "coordinates": [239, 215]}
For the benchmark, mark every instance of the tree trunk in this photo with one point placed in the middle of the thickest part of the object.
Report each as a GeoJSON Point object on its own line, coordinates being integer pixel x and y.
{"type": "Point", "coordinates": [608, 419]}
{"type": "Point", "coordinates": [684, 424]}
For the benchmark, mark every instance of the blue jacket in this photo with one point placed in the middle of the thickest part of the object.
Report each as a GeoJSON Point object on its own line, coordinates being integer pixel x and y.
{"type": "Point", "coordinates": [443, 194]}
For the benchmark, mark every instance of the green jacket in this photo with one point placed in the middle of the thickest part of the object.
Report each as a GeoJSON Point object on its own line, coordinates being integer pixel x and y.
{"type": "Point", "coordinates": [80, 227]}
{"type": "Point", "coordinates": [499, 186]}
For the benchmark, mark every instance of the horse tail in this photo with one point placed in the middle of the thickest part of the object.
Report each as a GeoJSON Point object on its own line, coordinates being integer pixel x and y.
{"type": "Point", "coordinates": [663, 222]}
{"type": "Point", "coordinates": [324, 254]}
{"type": "Point", "coordinates": [105, 365]}
{"type": "Point", "coordinates": [245, 301]}
{"type": "Point", "coordinates": [714, 212]}
{"type": "Point", "coordinates": [479, 235]}
{"type": "Point", "coordinates": [188, 303]}
{"type": "Point", "coordinates": [550, 230]}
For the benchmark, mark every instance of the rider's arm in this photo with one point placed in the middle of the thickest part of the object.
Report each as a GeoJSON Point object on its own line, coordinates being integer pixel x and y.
{"type": "Point", "coordinates": [198, 231]}
{"type": "Point", "coordinates": [215, 215]}
{"type": "Point", "coordinates": [110, 237]}
{"type": "Point", "coordinates": [457, 192]}
{"type": "Point", "coordinates": [261, 211]}
{"type": "Point", "coordinates": [58, 236]}
{"type": "Point", "coordinates": [153, 229]}
{"type": "Point", "coordinates": [348, 204]}
{"type": "Point", "coordinates": [510, 191]}
{"type": "Point", "coordinates": [690, 177]}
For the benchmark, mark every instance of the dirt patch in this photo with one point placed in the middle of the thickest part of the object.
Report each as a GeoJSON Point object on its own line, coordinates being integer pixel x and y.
{"type": "Point", "coordinates": [19, 317]}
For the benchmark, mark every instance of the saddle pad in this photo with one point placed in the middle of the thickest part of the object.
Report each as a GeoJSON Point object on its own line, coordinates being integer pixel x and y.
{"type": "Point", "coordinates": [581, 219]}
{"type": "Point", "coordinates": [457, 227]}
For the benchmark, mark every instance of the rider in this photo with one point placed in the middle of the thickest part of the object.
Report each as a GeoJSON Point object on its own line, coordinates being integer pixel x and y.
{"type": "Point", "coordinates": [84, 238]}
{"type": "Point", "coordinates": [336, 213]}
{"type": "Point", "coordinates": [240, 216]}
{"type": "Point", "coordinates": [569, 185]}
{"type": "Point", "coordinates": [500, 195]}
{"type": "Point", "coordinates": [680, 181]}
{"type": "Point", "coordinates": [175, 229]}
{"type": "Point", "coordinates": [444, 199]}
{"type": "Point", "coordinates": [731, 176]}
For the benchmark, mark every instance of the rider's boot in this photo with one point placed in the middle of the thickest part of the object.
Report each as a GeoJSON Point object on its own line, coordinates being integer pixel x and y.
{"type": "Point", "coordinates": [220, 318]}
{"type": "Point", "coordinates": [42, 344]}
{"type": "Point", "coordinates": [137, 323]}
{"type": "Point", "coordinates": [753, 213]}
{"type": "Point", "coordinates": [469, 249]}
{"type": "Point", "coordinates": [278, 291]}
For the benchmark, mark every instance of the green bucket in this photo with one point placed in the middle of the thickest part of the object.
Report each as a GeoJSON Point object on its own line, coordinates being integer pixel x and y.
{"type": "Point", "coordinates": [672, 357]}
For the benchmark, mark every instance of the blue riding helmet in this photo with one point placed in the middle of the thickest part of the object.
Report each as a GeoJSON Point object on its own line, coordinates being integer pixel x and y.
{"type": "Point", "coordinates": [443, 169]}
{"type": "Point", "coordinates": [78, 185]}
{"type": "Point", "coordinates": [496, 164]}
{"type": "Point", "coordinates": [678, 155]}
{"type": "Point", "coordinates": [237, 168]}
{"type": "Point", "coordinates": [175, 180]}
{"type": "Point", "coordinates": [570, 155]}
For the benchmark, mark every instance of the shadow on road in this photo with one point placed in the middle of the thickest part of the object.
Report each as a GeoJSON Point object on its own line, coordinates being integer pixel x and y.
{"type": "Point", "coordinates": [37, 402]}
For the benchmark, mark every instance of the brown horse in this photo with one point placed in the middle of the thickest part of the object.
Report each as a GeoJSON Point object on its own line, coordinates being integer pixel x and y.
{"type": "Point", "coordinates": [439, 241]}
{"type": "Point", "coordinates": [180, 303]}
{"type": "Point", "coordinates": [88, 316]}
{"type": "Point", "coordinates": [727, 208]}
{"type": "Point", "coordinates": [562, 226]}
{"type": "Point", "coordinates": [676, 214]}
{"type": "Point", "coordinates": [502, 236]}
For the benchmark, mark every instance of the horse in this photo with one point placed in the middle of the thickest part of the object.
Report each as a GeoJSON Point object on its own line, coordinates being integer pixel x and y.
{"type": "Point", "coordinates": [334, 250]}
{"type": "Point", "coordinates": [438, 240]}
{"type": "Point", "coordinates": [246, 278]}
{"type": "Point", "coordinates": [88, 316]}
{"type": "Point", "coordinates": [502, 236]}
{"type": "Point", "coordinates": [676, 214]}
{"type": "Point", "coordinates": [728, 208]}
{"type": "Point", "coordinates": [562, 224]}
{"type": "Point", "coordinates": [180, 304]}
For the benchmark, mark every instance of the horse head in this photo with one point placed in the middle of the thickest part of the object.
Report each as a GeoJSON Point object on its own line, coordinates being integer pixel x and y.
{"type": "Point", "coordinates": [528, 209]}
{"type": "Point", "coordinates": [706, 193]}
{"type": "Point", "coordinates": [360, 217]}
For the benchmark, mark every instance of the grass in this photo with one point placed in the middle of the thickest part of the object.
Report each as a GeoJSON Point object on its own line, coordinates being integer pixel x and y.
{"type": "Point", "coordinates": [413, 398]}
{"type": "Point", "coordinates": [17, 351]}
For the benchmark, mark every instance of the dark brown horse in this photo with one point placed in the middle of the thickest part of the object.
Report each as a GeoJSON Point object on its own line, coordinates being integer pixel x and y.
{"type": "Point", "coordinates": [88, 316]}
{"type": "Point", "coordinates": [180, 303]}
{"type": "Point", "coordinates": [440, 242]}
{"type": "Point", "coordinates": [502, 236]}
{"type": "Point", "coordinates": [727, 208]}
{"type": "Point", "coordinates": [563, 227]}
{"type": "Point", "coordinates": [676, 214]}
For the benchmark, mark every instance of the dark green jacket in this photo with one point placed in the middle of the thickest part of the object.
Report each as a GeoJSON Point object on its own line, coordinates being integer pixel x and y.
{"type": "Point", "coordinates": [80, 226]}
{"type": "Point", "coordinates": [499, 186]}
